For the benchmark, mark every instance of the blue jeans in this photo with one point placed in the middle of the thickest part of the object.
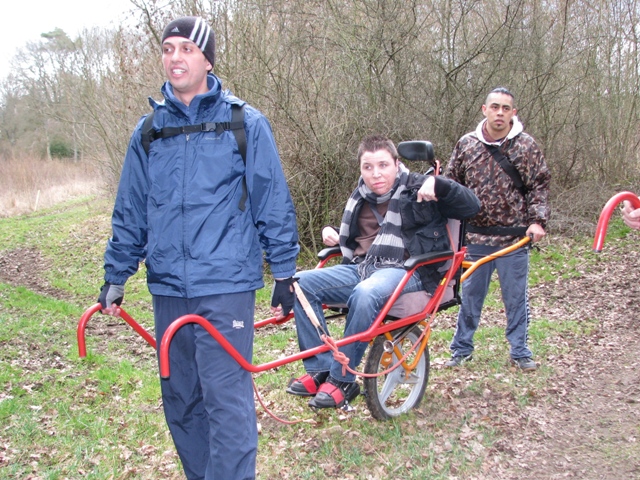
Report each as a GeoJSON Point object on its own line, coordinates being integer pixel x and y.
{"type": "Point", "coordinates": [208, 399]}
{"type": "Point", "coordinates": [513, 273]}
{"type": "Point", "coordinates": [341, 284]}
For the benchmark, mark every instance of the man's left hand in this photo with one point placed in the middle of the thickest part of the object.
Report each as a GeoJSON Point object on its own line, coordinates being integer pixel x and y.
{"type": "Point", "coordinates": [536, 232]}
{"type": "Point", "coordinates": [427, 191]}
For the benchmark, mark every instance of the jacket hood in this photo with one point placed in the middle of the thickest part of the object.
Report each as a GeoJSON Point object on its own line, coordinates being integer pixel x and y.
{"type": "Point", "coordinates": [516, 129]}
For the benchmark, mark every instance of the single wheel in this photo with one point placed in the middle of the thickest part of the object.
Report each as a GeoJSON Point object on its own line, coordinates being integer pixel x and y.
{"type": "Point", "coordinates": [399, 391]}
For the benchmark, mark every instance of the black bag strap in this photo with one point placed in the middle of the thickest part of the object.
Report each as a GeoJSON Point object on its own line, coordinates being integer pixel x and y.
{"type": "Point", "coordinates": [148, 133]}
{"type": "Point", "coordinates": [236, 125]}
{"type": "Point", "coordinates": [508, 167]}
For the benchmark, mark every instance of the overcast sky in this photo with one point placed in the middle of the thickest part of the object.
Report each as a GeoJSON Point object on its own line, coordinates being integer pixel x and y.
{"type": "Point", "coordinates": [24, 21]}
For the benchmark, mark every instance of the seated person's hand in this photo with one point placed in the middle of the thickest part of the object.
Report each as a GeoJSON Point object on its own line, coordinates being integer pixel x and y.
{"type": "Point", "coordinates": [330, 237]}
{"type": "Point", "coordinates": [427, 191]}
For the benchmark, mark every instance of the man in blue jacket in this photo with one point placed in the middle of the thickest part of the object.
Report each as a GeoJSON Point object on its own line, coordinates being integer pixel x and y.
{"type": "Point", "coordinates": [200, 217]}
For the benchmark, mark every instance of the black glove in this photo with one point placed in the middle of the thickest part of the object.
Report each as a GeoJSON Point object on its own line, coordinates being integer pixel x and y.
{"type": "Point", "coordinates": [283, 294]}
{"type": "Point", "coordinates": [110, 294]}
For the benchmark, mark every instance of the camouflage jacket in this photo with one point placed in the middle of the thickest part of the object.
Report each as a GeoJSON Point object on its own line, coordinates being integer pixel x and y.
{"type": "Point", "coordinates": [502, 204]}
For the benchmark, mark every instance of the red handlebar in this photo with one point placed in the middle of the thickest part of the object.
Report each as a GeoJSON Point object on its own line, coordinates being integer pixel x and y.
{"type": "Point", "coordinates": [192, 318]}
{"type": "Point", "coordinates": [82, 324]}
{"type": "Point", "coordinates": [605, 215]}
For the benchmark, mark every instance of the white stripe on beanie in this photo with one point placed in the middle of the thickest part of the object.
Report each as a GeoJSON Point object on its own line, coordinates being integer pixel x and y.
{"type": "Point", "coordinates": [200, 34]}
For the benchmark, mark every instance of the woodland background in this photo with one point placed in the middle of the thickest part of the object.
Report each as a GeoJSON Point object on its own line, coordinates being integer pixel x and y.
{"type": "Point", "coordinates": [328, 72]}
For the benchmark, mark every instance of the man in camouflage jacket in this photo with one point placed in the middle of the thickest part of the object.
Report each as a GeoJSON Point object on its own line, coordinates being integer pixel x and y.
{"type": "Point", "coordinates": [507, 213]}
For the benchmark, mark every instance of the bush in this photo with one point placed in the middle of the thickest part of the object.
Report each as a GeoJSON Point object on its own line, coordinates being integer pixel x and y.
{"type": "Point", "coordinates": [60, 149]}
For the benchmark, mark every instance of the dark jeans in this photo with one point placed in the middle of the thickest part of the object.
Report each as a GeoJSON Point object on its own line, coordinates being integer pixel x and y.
{"type": "Point", "coordinates": [513, 272]}
{"type": "Point", "coordinates": [341, 284]}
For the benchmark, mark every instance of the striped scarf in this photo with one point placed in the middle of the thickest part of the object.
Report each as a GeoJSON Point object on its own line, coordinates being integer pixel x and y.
{"type": "Point", "coordinates": [388, 247]}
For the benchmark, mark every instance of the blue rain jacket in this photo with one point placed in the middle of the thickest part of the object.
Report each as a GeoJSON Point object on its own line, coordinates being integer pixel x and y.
{"type": "Point", "coordinates": [177, 209]}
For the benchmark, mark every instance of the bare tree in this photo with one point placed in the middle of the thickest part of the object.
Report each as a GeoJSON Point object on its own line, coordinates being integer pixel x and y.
{"type": "Point", "coordinates": [328, 72]}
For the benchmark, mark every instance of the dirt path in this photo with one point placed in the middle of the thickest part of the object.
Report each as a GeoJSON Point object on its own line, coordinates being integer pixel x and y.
{"type": "Point", "coordinates": [587, 422]}
{"type": "Point", "coordinates": [588, 427]}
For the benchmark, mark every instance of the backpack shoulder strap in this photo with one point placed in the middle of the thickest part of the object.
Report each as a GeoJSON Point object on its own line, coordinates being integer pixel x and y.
{"type": "Point", "coordinates": [508, 167]}
{"type": "Point", "coordinates": [237, 127]}
{"type": "Point", "coordinates": [148, 132]}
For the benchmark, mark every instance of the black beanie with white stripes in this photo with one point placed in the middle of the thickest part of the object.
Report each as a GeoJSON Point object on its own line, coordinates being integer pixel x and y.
{"type": "Point", "coordinates": [196, 30]}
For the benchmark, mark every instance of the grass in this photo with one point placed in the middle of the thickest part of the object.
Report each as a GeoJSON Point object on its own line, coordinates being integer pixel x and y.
{"type": "Point", "coordinates": [31, 184]}
{"type": "Point", "coordinates": [101, 417]}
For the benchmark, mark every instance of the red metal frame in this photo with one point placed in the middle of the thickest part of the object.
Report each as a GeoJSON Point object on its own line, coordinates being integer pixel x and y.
{"type": "Point", "coordinates": [82, 325]}
{"type": "Point", "coordinates": [605, 215]}
{"type": "Point", "coordinates": [377, 328]}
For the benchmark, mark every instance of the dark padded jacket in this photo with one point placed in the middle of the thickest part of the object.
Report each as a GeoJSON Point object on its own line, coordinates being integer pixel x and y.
{"type": "Point", "coordinates": [424, 224]}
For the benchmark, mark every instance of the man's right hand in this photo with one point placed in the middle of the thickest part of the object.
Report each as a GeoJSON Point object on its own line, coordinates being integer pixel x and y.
{"type": "Point", "coordinates": [110, 298]}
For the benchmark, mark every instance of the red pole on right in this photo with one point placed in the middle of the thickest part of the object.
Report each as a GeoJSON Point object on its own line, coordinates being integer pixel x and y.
{"type": "Point", "coordinates": [605, 215]}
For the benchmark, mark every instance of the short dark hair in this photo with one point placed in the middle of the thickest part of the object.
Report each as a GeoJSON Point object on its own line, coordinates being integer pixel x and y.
{"type": "Point", "coordinates": [502, 90]}
{"type": "Point", "coordinates": [373, 143]}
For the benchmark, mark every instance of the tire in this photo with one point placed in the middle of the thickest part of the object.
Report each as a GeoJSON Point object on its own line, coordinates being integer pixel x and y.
{"type": "Point", "coordinates": [393, 394]}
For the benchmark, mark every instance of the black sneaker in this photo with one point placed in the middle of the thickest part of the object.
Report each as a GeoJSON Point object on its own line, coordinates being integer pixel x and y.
{"type": "Point", "coordinates": [335, 394]}
{"type": "Point", "coordinates": [526, 364]}
{"type": "Point", "coordinates": [458, 360]}
{"type": "Point", "coordinates": [307, 385]}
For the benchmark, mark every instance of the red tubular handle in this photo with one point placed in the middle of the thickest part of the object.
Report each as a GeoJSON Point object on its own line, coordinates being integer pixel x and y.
{"type": "Point", "coordinates": [82, 325]}
{"type": "Point", "coordinates": [213, 331]}
{"type": "Point", "coordinates": [605, 215]}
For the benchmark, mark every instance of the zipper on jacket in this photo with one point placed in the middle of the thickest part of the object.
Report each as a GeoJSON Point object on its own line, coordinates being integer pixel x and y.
{"type": "Point", "coordinates": [185, 247]}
